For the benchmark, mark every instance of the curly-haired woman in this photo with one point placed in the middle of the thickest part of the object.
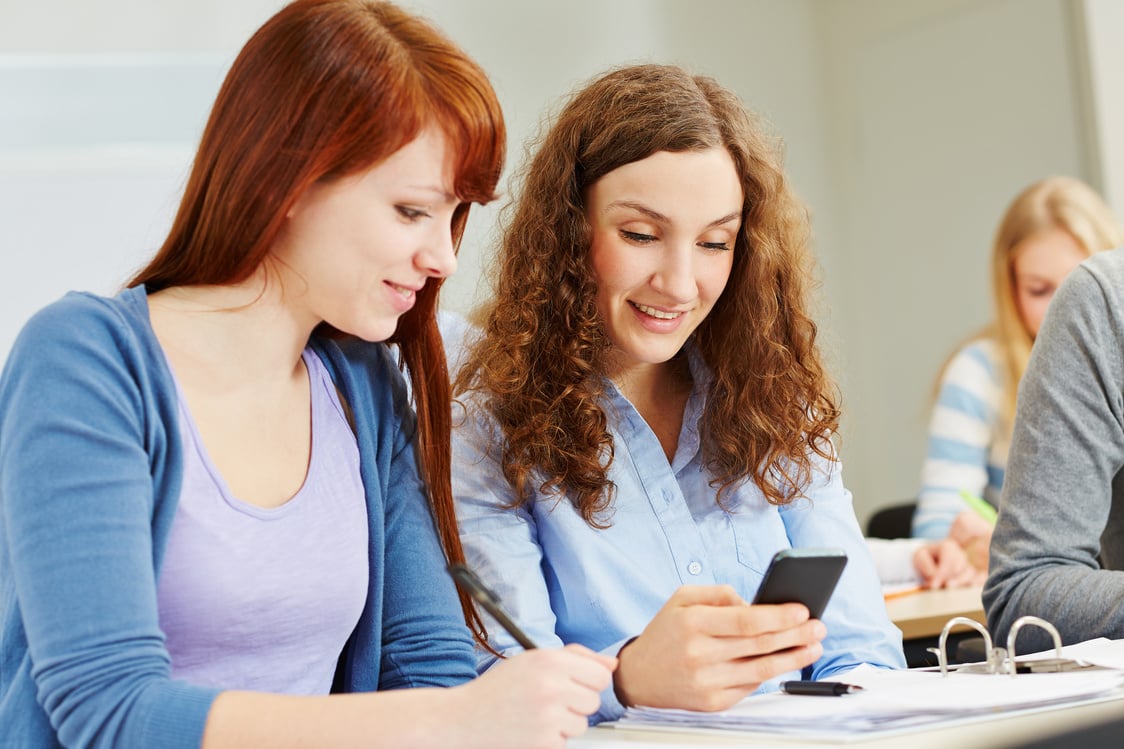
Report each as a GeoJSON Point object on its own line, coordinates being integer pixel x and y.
{"type": "Point", "coordinates": [647, 419]}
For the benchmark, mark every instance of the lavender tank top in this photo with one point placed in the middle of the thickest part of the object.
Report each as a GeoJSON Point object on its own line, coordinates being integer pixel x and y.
{"type": "Point", "coordinates": [264, 599]}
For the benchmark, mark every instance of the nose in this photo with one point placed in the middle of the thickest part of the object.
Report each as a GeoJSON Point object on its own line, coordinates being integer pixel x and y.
{"type": "Point", "coordinates": [674, 278]}
{"type": "Point", "coordinates": [438, 257]}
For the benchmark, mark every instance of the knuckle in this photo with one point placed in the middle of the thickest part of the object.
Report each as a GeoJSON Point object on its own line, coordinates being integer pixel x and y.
{"type": "Point", "coordinates": [692, 655]}
{"type": "Point", "coordinates": [691, 619]}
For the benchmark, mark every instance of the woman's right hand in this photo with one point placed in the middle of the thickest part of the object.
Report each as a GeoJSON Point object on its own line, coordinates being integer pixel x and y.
{"type": "Point", "coordinates": [707, 648]}
{"type": "Point", "coordinates": [945, 564]}
{"type": "Point", "coordinates": [536, 699]}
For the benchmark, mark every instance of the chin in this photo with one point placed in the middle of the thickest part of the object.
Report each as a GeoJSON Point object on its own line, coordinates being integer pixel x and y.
{"type": "Point", "coordinates": [372, 332]}
{"type": "Point", "coordinates": [652, 356]}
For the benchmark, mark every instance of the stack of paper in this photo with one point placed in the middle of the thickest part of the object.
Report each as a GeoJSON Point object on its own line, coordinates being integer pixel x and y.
{"type": "Point", "coordinates": [893, 701]}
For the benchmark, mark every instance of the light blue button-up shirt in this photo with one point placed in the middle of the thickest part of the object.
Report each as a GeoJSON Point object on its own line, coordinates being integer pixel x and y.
{"type": "Point", "coordinates": [564, 581]}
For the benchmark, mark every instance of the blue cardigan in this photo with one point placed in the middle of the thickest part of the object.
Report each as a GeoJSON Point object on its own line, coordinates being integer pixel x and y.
{"type": "Point", "coordinates": [90, 473]}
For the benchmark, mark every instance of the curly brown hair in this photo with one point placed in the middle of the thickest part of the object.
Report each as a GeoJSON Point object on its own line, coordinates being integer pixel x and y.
{"type": "Point", "coordinates": [540, 362]}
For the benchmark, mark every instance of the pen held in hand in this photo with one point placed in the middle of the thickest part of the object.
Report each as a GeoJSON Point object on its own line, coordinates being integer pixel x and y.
{"type": "Point", "coordinates": [819, 688]}
{"type": "Point", "coordinates": [981, 506]}
{"type": "Point", "coordinates": [471, 584]}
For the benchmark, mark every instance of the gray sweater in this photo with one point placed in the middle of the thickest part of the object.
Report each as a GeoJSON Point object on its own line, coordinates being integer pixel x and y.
{"type": "Point", "coordinates": [1058, 548]}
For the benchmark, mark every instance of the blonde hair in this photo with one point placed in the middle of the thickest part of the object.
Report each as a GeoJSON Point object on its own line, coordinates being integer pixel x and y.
{"type": "Point", "coordinates": [1055, 202]}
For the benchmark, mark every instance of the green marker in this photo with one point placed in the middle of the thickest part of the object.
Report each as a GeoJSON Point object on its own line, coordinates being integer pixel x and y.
{"type": "Point", "coordinates": [981, 506]}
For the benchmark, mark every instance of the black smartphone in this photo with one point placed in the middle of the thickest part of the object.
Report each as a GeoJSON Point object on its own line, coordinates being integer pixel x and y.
{"type": "Point", "coordinates": [806, 576]}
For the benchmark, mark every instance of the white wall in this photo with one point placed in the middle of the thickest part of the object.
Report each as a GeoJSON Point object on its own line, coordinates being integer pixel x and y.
{"type": "Point", "coordinates": [101, 104]}
{"type": "Point", "coordinates": [943, 111]}
{"type": "Point", "coordinates": [908, 127]}
{"type": "Point", "coordinates": [1102, 27]}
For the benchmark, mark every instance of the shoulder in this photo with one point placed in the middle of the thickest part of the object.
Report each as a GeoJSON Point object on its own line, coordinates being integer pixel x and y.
{"type": "Point", "coordinates": [89, 355]}
{"type": "Point", "coordinates": [984, 352]}
{"type": "Point", "coordinates": [1105, 266]}
{"type": "Point", "coordinates": [1086, 315]}
{"type": "Point", "coordinates": [473, 420]}
{"type": "Point", "coordinates": [974, 366]}
{"type": "Point", "coordinates": [81, 313]}
{"type": "Point", "coordinates": [83, 329]}
{"type": "Point", "coordinates": [1095, 288]}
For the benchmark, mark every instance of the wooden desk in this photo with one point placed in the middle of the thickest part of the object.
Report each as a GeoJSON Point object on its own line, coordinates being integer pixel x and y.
{"type": "Point", "coordinates": [925, 613]}
{"type": "Point", "coordinates": [1000, 733]}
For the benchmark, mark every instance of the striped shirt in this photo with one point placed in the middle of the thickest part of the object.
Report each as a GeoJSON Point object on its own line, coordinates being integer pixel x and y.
{"type": "Point", "coordinates": [967, 440]}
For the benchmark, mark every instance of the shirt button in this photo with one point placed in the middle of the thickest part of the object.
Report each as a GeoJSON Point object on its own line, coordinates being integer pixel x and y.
{"type": "Point", "coordinates": [694, 568]}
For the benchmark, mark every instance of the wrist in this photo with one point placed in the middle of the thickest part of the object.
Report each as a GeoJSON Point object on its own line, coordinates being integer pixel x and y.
{"type": "Point", "coordinates": [619, 688]}
{"type": "Point", "coordinates": [977, 551]}
{"type": "Point", "coordinates": [459, 707]}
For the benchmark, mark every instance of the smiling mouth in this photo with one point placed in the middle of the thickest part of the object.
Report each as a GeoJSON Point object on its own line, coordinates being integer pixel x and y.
{"type": "Point", "coordinates": [404, 291]}
{"type": "Point", "coordinates": [656, 313]}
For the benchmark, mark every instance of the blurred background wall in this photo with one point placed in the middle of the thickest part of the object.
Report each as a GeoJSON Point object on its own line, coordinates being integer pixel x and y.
{"type": "Point", "coordinates": [909, 127]}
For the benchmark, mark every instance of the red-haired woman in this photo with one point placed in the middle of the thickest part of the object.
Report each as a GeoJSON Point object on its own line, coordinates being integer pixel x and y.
{"type": "Point", "coordinates": [648, 417]}
{"type": "Point", "coordinates": [217, 505]}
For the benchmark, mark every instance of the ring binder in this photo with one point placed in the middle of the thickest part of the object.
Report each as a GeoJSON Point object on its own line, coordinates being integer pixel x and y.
{"type": "Point", "coordinates": [1003, 660]}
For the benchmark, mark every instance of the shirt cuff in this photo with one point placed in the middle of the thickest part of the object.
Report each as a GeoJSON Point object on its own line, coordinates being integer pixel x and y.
{"type": "Point", "coordinates": [611, 707]}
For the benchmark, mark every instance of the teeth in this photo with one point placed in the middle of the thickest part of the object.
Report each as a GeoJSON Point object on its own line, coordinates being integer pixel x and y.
{"type": "Point", "coordinates": [402, 290]}
{"type": "Point", "coordinates": [658, 314]}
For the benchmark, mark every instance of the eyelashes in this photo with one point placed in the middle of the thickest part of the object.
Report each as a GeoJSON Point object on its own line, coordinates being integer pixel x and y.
{"type": "Point", "coordinates": [412, 214]}
{"type": "Point", "coordinates": [639, 238]}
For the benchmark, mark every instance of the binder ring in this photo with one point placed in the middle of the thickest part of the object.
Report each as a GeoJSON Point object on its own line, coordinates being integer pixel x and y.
{"type": "Point", "coordinates": [1009, 665]}
{"type": "Point", "coordinates": [942, 650]}
{"type": "Point", "coordinates": [1002, 661]}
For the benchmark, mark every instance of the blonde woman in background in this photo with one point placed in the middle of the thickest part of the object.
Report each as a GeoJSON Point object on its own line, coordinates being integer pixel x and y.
{"type": "Point", "coordinates": [1050, 228]}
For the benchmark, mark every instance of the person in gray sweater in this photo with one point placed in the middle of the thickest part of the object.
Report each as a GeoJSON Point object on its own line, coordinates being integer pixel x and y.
{"type": "Point", "coordinates": [1058, 547]}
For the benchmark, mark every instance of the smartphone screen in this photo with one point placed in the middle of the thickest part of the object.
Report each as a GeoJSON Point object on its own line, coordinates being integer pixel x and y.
{"type": "Point", "coordinates": [806, 576]}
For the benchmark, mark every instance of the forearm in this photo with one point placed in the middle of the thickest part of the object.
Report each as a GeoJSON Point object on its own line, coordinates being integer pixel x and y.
{"type": "Point", "coordinates": [893, 559]}
{"type": "Point", "coordinates": [540, 698]}
{"type": "Point", "coordinates": [412, 718]}
{"type": "Point", "coordinates": [1080, 601]}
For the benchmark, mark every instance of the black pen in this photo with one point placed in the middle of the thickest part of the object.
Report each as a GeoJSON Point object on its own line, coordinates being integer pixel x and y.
{"type": "Point", "coordinates": [819, 688]}
{"type": "Point", "coordinates": [480, 593]}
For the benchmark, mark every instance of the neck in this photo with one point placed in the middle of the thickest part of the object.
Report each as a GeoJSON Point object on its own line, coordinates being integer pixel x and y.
{"type": "Point", "coordinates": [241, 332]}
{"type": "Point", "coordinates": [652, 383]}
{"type": "Point", "coordinates": [659, 393]}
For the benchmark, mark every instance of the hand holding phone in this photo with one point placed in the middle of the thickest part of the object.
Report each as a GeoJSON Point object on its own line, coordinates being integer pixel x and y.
{"type": "Point", "coordinates": [806, 576]}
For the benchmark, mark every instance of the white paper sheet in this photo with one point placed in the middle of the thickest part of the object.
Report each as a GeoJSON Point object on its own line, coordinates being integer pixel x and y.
{"type": "Point", "coordinates": [896, 701]}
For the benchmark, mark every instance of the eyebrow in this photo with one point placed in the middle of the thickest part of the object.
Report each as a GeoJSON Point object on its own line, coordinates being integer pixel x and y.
{"type": "Point", "coordinates": [448, 197]}
{"type": "Point", "coordinates": [657, 216]}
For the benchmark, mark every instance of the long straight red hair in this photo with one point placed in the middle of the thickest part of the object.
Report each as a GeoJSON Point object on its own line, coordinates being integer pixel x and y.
{"type": "Point", "coordinates": [323, 90]}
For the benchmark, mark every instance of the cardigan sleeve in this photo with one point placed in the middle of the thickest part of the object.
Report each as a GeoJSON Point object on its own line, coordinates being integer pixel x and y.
{"type": "Point", "coordinates": [414, 628]}
{"type": "Point", "coordinates": [79, 454]}
{"type": "Point", "coordinates": [425, 639]}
